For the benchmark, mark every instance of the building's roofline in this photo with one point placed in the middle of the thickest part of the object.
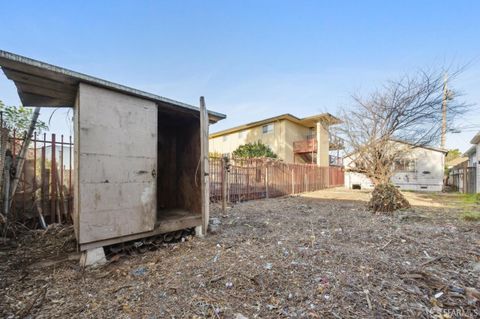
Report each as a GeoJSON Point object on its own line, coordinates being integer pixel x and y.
{"type": "Point", "coordinates": [306, 121]}
{"type": "Point", "coordinates": [476, 139]}
{"type": "Point", "coordinates": [456, 161]}
{"type": "Point", "coordinates": [432, 148]}
{"type": "Point", "coordinates": [470, 151]}
{"type": "Point", "coordinates": [35, 78]}
{"type": "Point", "coordinates": [428, 147]}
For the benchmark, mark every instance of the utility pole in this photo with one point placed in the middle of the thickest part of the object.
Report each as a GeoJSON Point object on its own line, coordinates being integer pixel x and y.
{"type": "Point", "coordinates": [444, 112]}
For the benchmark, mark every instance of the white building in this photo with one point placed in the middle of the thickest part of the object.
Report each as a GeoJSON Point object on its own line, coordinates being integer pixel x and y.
{"type": "Point", "coordinates": [473, 155]}
{"type": "Point", "coordinates": [420, 169]}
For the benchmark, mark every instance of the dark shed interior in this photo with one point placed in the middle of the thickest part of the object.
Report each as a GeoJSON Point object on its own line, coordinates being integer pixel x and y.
{"type": "Point", "coordinates": [178, 184]}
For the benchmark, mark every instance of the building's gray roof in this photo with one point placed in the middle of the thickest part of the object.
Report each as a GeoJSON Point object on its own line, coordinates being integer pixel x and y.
{"type": "Point", "coordinates": [428, 147]}
{"type": "Point", "coordinates": [43, 84]}
{"type": "Point", "coordinates": [476, 139]}
{"type": "Point", "coordinates": [456, 161]}
{"type": "Point", "coordinates": [472, 150]}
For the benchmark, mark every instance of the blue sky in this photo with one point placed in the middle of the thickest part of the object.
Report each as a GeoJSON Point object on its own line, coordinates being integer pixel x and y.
{"type": "Point", "coordinates": [250, 59]}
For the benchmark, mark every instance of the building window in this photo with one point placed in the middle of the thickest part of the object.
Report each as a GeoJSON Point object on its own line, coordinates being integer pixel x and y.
{"type": "Point", "coordinates": [267, 128]}
{"type": "Point", "coordinates": [224, 138]}
{"type": "Point", "coordinates": [404, 165]}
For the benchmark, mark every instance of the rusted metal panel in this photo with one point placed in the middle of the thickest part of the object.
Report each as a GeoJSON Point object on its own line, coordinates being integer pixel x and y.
{"type": "Point", "coordinates": [117, 159]}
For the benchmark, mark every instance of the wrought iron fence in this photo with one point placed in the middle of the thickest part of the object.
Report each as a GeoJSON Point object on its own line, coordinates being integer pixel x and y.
{"type": "Point", "coordinates": [463, 179]}
{"type": "Point", "coordinates": [46, 182]}
{"type": "Point", "coordinates": [247, 179]}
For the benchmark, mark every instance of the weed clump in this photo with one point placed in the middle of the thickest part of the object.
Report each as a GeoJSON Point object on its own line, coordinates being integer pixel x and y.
{"type": "Point", "coordinates": [471, 216]}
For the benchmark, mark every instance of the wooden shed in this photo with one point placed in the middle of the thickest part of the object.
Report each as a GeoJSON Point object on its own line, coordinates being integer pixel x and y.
{"type": "Point", "coordinates": [141, 160]}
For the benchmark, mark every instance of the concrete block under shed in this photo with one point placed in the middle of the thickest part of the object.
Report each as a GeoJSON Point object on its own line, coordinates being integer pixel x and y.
{"type": "Point", "coordinates": [93, 257]}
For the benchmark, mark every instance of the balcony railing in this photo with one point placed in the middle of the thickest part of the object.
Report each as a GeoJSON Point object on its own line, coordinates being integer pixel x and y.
{"type": "Point", "coordinates": [310, 144]}
{"type": "Point", "coordinates": [305, 146]}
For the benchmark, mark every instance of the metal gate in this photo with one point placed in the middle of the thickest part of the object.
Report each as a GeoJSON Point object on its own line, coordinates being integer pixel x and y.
{"type": "Point", "coordinates": [471, 179]}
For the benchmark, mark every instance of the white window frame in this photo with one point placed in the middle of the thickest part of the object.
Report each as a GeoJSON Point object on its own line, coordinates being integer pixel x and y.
{"type": "Point", "coordinates": [405, 168]}
{"type": "Point", "coordinates": [267, 128]}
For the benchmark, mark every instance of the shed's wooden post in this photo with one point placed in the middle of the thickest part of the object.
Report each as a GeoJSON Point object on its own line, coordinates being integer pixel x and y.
{"type": "Point", "coordinates": [204, 164]}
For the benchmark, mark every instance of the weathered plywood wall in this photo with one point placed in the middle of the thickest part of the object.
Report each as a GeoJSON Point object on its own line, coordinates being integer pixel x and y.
{"type": "Point", "coordinates": [189, 178]}
{"type": "Point", "coordinates": [116, 154]}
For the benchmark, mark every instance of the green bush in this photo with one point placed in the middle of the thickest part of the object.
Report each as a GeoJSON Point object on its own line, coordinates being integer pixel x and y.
{"type": "Point", "coordinates": [19, 118]}
{"type": "Point", "coordinates": [254, 150]}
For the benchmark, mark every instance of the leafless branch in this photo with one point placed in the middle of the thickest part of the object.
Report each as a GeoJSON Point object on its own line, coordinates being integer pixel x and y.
{"type": "Point", "coordinates": [408, 110]}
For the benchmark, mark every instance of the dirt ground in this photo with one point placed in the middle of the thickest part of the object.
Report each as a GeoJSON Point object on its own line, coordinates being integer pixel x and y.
{"type": "Point", "coordinates": [320, 255]}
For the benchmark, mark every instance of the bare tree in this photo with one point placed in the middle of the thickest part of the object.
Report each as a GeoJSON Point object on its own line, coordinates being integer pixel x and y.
{"type": "Point", "coordinates": [407, 110]}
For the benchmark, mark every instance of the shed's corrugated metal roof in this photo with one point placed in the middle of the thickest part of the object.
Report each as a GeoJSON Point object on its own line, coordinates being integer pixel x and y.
{"type": "Point", "coordinates": [42, 84]}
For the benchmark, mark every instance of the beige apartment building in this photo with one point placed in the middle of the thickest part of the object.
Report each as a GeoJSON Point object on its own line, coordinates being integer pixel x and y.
{"type": "Point", "coordinates": [293, 139]}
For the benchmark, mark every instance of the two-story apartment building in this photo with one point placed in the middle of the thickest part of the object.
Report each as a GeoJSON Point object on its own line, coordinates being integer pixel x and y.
{"type": "Point", "coordinates": [293, 139]}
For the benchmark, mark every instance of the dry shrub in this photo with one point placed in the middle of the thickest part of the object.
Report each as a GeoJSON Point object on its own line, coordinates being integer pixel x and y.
{"type": "Point", "coordinates": [386, 198]}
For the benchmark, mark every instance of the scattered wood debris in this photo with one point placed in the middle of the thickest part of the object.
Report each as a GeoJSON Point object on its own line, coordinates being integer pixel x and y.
{"type": "Point", "coordinates": [290, 257]}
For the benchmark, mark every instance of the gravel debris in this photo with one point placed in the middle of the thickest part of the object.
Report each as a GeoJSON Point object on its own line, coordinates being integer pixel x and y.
{"type": "Point", "coordinates": [291, 257]}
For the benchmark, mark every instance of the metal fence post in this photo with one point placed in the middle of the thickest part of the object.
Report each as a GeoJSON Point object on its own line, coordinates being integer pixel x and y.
{"type": "Point", "coordinates": [224, 185]}
{"type": "Point", "coordinates": [293, 182]}
{"type": "Point", "coordinates": [266, 181]}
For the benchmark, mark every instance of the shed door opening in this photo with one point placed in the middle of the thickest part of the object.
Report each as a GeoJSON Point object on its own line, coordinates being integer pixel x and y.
{"type": "Point", "coordinates": [178, 188]}
{"type": "Point", "coordinates": [116, 149]}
